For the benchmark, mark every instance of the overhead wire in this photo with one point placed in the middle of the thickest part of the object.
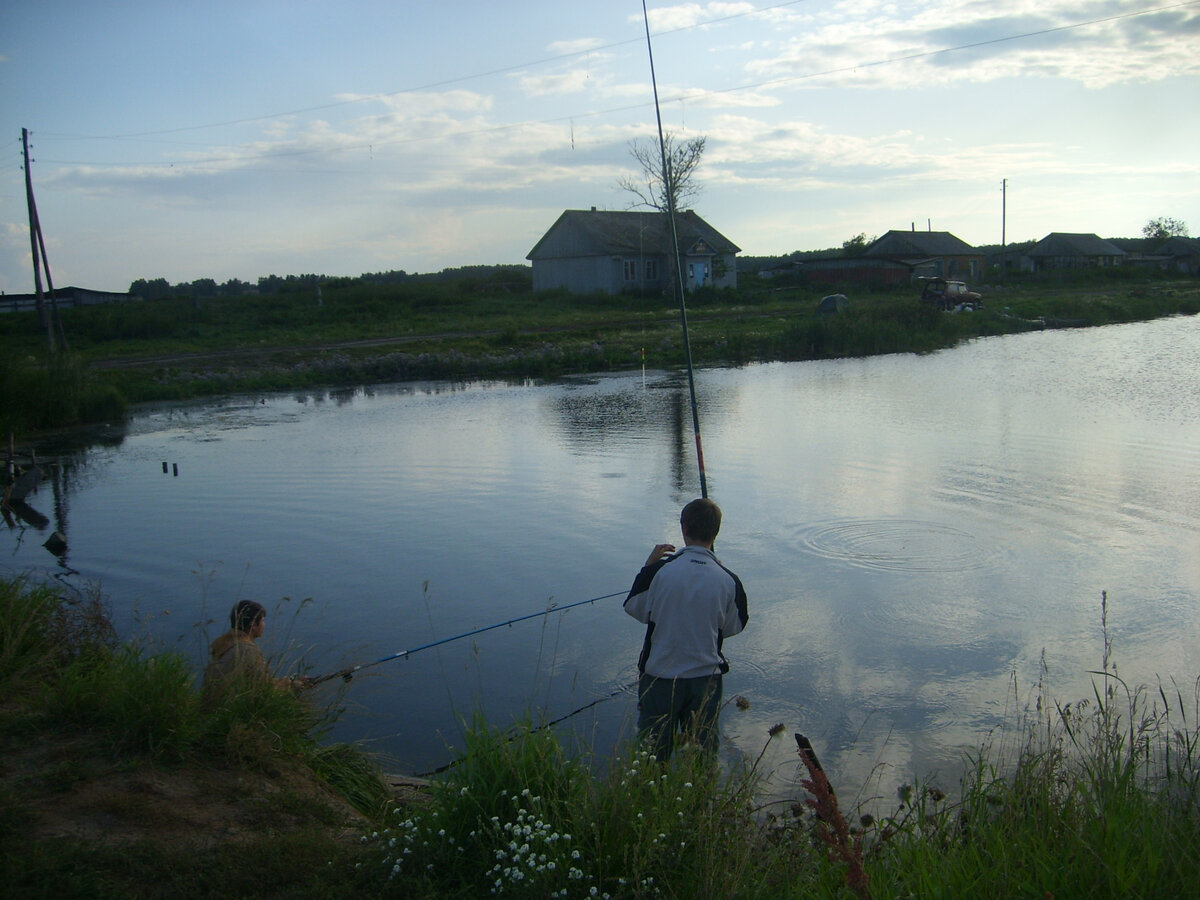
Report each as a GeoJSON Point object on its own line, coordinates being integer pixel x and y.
{"type": "Point", "coordinates": [692, 94]}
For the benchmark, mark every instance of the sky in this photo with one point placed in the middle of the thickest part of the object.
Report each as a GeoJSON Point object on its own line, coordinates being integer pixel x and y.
{"type": "Point", "coordinates": [242, 138]}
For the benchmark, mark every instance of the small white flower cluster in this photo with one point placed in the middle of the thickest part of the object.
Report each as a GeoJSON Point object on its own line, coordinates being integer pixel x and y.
{"type": "Point", "coordinates": [532, 852]}
{"type": "Point", "coordinates": [409, 837]}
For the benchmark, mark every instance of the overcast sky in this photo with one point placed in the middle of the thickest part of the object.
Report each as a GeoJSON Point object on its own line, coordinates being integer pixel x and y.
{"type": "Point", "coordinates": [242, 138]}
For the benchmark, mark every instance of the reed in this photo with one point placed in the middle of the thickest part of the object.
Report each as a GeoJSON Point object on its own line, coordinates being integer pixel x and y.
{"type": "Point", "coordinates": [1099, 797]}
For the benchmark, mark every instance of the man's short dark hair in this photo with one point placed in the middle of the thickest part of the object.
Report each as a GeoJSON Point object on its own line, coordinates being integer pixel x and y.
{"type": "Point", "coordinates": [244, 614]}
{"type": "Point", "coordinates": [701, 520]}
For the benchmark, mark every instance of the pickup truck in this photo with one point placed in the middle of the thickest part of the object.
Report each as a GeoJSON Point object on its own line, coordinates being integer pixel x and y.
{"type": "Point", "coordinates": [950, 294]}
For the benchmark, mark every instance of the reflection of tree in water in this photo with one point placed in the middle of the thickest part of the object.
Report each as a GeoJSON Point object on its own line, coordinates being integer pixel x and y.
{"type": "Point", "coordinates": [659, 413]}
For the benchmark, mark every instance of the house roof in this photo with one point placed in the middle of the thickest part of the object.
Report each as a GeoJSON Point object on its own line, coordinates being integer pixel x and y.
{"type": "Point", "coordinates": [605, 233]}
{"type": "Point", "coordinates": [1064, 244]}
{"type": "Point", "coordinates": [919, 244]}
{"type": "Point", "coordinates": [1179, 246]}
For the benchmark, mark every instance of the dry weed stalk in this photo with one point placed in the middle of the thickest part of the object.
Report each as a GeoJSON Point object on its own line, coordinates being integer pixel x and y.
{"type": "Point", "coordinates": [831, 824]}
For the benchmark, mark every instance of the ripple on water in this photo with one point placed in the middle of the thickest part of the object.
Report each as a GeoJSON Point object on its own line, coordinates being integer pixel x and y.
{"type": "Point", "coordinates": [896, 545]}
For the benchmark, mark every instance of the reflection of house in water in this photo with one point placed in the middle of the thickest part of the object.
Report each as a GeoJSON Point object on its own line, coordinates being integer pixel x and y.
{"type": "Point", "coordinates": [660, 413]}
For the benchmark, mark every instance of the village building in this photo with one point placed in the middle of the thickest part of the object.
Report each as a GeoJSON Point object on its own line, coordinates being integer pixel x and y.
{"type": "Point", "coordinates": [64, 298]}
{"type": "Point", "coordinates": [1063, 250]}
{"type": "Point", "coordinates": [597, 251]}
{"type": "Point", "coordinates": [897, 258]}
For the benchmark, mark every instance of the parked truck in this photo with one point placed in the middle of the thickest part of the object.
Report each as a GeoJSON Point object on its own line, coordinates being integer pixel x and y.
{"type": "Point", "coordinates": [946, 294]}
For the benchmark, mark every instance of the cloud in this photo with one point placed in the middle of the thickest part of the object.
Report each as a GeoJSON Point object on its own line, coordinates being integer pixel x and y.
{"type": "Point", "coordinates": [571, 82]}
{"type": "Point", "coordinates": [572, 47]}
{"type": "Point", "coordinates": [688, 15]}
{"type": "Point", "coordinates": [948, 44]}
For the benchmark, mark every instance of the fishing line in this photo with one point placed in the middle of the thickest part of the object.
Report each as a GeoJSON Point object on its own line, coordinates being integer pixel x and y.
{"type": "Point", "coordinates": [348, 673]}
{"type": "Point", "coordinates": [669, 190]}
{"type": "Point", "coordinates": [445, 767]}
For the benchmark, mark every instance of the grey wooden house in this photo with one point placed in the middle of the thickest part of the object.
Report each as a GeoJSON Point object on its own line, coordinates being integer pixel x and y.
{"type": "Point", "coordinates": [1064, 250]}
{"type": "Point", "coordinates": [596, 251]}
{"type": "Point", "coordinates": [929, 254]}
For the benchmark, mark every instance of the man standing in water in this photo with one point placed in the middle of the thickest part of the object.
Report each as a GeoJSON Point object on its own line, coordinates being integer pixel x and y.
{"type": "Point", "coordinates": [689, 604]}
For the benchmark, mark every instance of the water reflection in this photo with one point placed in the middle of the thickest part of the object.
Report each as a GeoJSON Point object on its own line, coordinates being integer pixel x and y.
{"type": "Point", "coordinates": [913, 532]}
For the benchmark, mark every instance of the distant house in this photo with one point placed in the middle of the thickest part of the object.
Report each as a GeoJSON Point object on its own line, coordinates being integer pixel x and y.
{"type": "Point", "coordinates": [929, 254]}
{"type": "Point", "coordinates": [64, 298]}
{"type": "Point", "coordinates": [595, 251]}
{"type": "Point", "coordinates": [853, 270]}
{"type": "Point", "coordinates": [1061, 250]}
{"type": "Point", "coordinates": [1182, 254]}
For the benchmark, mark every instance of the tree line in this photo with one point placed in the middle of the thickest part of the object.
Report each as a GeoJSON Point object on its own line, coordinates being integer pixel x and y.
{"type": "Point", "coordinates": [202, 288]}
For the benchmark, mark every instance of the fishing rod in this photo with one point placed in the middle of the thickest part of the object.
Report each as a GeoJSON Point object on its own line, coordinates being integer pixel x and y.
{"type": "Point", "coordinates": [623, 689]}
{"type": "Point", "coordinates": [669, 190]}
{"type": "Point", "coordinates": [348, 673]}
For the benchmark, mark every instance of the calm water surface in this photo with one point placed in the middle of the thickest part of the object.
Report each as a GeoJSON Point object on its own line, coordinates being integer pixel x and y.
{"type": "Point", "coordinates": [916, 535]}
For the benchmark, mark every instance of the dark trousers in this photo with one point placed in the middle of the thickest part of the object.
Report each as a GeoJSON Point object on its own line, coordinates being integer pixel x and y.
{"type": "Point", "coordinates": [669, 706]}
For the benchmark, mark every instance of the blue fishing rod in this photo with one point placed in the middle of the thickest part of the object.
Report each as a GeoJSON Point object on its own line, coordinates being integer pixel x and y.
{"type": "Point", "coordinates": [348, 674]}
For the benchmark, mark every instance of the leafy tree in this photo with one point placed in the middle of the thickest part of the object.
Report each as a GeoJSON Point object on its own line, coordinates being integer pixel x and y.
{"type": "Point", "coordinates": [154, 289]}
{"type": "Point", "coordinates": [857, 245]}
{"type": "Point", "coordinates": [204, 287]}
{"type": "Point", "coordinates": [1164, 227]}
{"type": "Point", "coordinates": [680, 187]}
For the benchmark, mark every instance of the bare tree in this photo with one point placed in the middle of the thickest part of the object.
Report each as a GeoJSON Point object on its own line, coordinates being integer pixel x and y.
{"type": "Point", "coordinates": [676, 190]}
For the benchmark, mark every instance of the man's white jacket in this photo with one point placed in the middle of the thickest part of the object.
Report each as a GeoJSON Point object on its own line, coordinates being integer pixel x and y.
{"type": "Point", "coordinates": [689, 604]}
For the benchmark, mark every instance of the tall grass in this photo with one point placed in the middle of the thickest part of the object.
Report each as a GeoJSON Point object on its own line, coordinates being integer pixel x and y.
{"type": "Point", "coordinates": [48, 394]}
{"type": "Point", "coordinates": [59, 656]}
{"type": "Point", "coordinates": [520, 817]}
{"type": "Point", "coordinates": [1099, 797]}
{"type": "Point", "coordinates": [1095, 798]}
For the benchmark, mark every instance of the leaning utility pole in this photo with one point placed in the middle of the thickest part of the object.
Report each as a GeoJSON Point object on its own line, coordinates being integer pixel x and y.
{"type": "Point", "coordinates": [37, 242]}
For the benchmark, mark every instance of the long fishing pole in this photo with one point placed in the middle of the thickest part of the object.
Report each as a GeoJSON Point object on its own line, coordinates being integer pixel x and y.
{"type": "Point", "coordinates": [623, 689]}
{"type": "Point", "coordinates": [348, 673]}
{"type": "Point", "coordinates": [669, 190]}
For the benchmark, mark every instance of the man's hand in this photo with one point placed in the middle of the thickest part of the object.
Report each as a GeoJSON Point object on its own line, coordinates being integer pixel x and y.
{"type": "Point", "coordinates": [659, 551]}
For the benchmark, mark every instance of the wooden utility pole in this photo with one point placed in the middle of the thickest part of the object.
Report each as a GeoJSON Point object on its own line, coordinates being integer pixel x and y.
{"type": "Point", "coordinates": [47, 317]}
{"type": "Point", "coordinates": [1003, 223]}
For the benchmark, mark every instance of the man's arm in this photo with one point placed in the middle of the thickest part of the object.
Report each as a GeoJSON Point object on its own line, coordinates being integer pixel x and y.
{"type": "Point", "coordinates": [637, 604]}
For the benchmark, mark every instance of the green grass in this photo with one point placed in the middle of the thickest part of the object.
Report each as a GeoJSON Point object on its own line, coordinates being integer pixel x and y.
{"type": "Point", "coordinates": [472, 328]}
{"type": "Point", "coordinates": [1095, 798]}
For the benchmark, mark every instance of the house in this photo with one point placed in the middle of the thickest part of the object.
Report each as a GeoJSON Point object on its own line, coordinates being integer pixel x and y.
{"type": "Point", "coordinates": [596, 251]}
{"type": "Point", "coordinates": [1182, 254]}
{"type": "Point", "coordinates": [1061, 250]}
{"type": "Point", "coordinates": [63, 298]}
{"type": "Point", "coordinates": [853, 270]}
{"type": "Point", "coordinates": [928, 254]}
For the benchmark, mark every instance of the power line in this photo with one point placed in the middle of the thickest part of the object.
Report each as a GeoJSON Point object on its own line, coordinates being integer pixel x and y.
{"type": "Point", "coordinates": [681, 97]}
{"type": "Point", "coordinates": [503, 70]}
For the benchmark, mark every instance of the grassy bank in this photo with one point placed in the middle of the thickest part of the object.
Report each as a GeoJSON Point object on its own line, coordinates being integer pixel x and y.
{"type": "Point", "coordinates": [118, 782]}
{"type": "Point", "coordinates": [354, 333]}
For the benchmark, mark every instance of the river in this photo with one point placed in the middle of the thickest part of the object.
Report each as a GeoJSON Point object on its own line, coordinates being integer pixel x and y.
{"type": "Point", "coordinates": [923, 539]}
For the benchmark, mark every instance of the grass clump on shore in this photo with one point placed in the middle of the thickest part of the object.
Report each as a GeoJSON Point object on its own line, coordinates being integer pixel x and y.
{"type": "Point", "coordinates": [119, 779]}
{"type": "Point", "coordinates": [1096, 798]}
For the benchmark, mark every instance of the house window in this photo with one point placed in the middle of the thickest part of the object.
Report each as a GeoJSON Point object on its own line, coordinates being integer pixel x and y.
{"type": "Point", "coordinates": [630, 270]}
{"type": "Point", "coordinates": [652, 270]}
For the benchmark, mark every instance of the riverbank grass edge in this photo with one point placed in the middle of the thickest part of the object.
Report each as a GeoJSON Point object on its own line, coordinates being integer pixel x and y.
{"type": "Point", "coordinates": [1099, 797]}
